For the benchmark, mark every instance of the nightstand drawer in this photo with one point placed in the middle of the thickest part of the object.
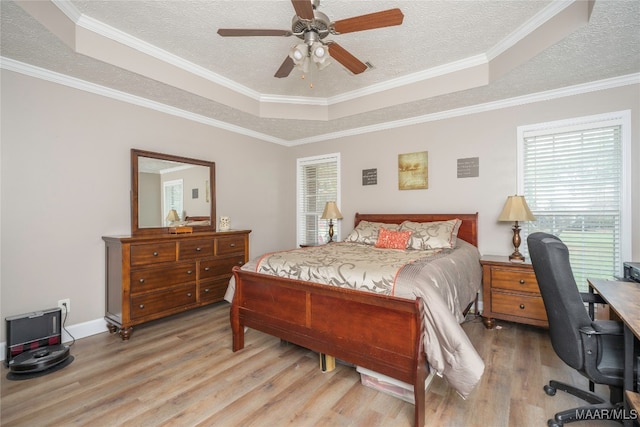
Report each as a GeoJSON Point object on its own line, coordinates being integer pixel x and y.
{"type": "Point", "coordinates": [530, 307]}
{"type": "Point", "coordinates": [510, 292]}
{"type": "Point", "coordinates": [516, 280]}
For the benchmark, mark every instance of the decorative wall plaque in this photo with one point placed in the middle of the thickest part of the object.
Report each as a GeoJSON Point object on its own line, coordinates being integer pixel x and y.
{"type": "Point", "coordinates": [469, 167]}
{"type": "Point", "coordinates": [369, 176]}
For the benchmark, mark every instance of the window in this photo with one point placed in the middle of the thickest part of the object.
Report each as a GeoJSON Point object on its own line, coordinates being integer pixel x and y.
{"type": "Point", "coordinates": [318, 180]}
{"type": "Point", "coordinates": [172, 197]}
{"type": "Point", "coordinates": [575, 179]}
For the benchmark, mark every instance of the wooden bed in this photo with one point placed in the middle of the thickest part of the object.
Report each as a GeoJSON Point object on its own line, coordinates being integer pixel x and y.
{"type": "Point", "coordinates": [347, 324]}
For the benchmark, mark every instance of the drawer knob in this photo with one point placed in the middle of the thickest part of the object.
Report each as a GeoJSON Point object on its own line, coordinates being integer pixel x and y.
{"type": "Point", "coordinates": [198, 249]}
{"type": "Point", "coordinates": [206, 290]}
{"type": "Point", "coordinates": [521, 306]}
{"type": "Point", "coordinates": [155, 254]}
{"type": "Point", "coordinates": [141, 280]}
{"type": "Point", "coordinates": [189, 272]}
{"type": "Point", "coordinates": [141, 305]}
{"type": "Point", "coordinates": [206, 269]}
{"type": "Point", "coordinates": [189, 294]}
{"type": "Point", "coordinates": [240, 263]}
{"type": "Point", "coordinates": [233, 245]}
{"type": "Point", "coordinates": [522, 281]}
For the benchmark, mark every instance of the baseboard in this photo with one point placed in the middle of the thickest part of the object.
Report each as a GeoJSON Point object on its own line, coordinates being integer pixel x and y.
{"type": "Point", "coordinates": [78, 331]}
{"type": "Point", "coordinates": [93, 327]}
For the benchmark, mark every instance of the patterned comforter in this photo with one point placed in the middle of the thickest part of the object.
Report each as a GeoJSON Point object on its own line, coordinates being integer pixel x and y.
{"type": "Point", "coordinates": [447, 280]}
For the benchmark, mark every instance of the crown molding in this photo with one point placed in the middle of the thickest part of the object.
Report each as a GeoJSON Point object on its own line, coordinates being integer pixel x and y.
{"type": "Point", "coordinates": [611, 83]}
{"type": "Point", "coordinates": [529, 27]}
{"type": "Point", "coordinates": [54, 77]}
{"type": "Point", "coordinates": [62, 79]}
{"type": "Point", "coordinates": [104, 30]}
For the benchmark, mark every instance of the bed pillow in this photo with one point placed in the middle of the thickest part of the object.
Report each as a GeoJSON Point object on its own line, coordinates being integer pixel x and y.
{"type": "Point", "coordinates": [390, 239]}
{"type": "Point", "coordinates": [432, 235]}
{"type": "Point", "coordinates": [367, 232]}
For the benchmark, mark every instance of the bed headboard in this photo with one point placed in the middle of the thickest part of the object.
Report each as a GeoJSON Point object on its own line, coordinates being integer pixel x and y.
{"type": "Point", "coordinates": [468, 229]}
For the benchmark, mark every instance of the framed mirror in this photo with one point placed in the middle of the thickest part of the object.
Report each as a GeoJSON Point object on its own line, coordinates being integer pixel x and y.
{"type": "Point", "coordinates": [171, 191]}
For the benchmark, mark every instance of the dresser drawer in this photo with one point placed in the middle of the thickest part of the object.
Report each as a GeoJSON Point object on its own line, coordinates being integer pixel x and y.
{"type": "Point", "coordinates": [157, 302]}
{"type": "Point", "coordinates": [153, 253]}
{"type": "Point", "coordinates": [219, 266]}
{"type": "Point", "coordinates": [213, 290]}
{"type": "Point", "coordinates": [152, 276]}
{"type": "Point", "coordinates": [521, 281]}
{"type": "Point", "coordinates": [229, 245]}
{"type": "Point", "coordinates": [192, 249]}
{"type": "Point", "coordinates": [531, 307]}
{"type": "Point", "coordinates": [157, 278]}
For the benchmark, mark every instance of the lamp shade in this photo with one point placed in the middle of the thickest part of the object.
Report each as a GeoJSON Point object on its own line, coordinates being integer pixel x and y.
{"type": "Point", "coordinates": [173, 216]}
{"type": "Point", "coordinates": [331, 211]}
{"type": "Point", "coordinates": [516, 209]}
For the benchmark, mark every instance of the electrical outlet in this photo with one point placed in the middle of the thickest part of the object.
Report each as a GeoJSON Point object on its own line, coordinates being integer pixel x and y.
{"type": "Point", "coordinates": [65, 305]}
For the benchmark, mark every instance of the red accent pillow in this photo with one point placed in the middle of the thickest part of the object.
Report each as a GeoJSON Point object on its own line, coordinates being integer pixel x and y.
{"type": "Point", "coordinates": [390, 239]}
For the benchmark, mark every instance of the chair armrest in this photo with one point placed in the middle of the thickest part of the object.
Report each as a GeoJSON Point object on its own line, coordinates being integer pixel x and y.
{"type": "Point", "coordinates": [608, 327]}
{"type": "Point", "coordinates": [603, 327]}
{"type": "Point", "coordinates": [592, 298]}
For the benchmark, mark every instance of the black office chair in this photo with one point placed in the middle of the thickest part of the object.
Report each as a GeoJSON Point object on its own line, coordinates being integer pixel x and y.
{"type": "Point", "coordinates": [595, 348]}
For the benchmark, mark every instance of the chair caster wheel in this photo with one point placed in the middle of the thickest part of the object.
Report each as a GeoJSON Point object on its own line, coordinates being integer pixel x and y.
{"type": "Point", "coordinates": [551, 391]}
{"type": "Point", "coordinates": [554, 423]}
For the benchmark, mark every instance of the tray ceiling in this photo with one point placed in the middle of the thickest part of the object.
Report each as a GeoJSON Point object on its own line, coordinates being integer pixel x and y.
{"type": "Point", "coordinates": [448, 57]}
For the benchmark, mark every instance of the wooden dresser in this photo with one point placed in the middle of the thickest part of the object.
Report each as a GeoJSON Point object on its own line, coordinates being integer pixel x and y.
{"type": "Point", "coordinates": [151, 277]}
{"type": "Point", "coordinates": [510, 292]}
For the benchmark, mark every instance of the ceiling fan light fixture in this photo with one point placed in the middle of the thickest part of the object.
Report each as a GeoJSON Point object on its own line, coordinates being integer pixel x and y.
{"type": "Point", "coordinates": [300, 56]}
{"type": "Point", "coordinates": [320, 55]}
{"type": "Point", "coordinates": [319, 51]}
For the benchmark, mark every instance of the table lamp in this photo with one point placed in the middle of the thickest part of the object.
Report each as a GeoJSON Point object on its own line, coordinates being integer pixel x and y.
{"type": "Point", "coordinates": [331, 212]}
{"type": "Point", "coordinates": [173, 217]}
{"type": "Point", "coordinates": [516, 209]}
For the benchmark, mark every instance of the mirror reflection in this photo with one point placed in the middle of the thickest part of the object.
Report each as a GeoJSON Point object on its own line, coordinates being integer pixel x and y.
{"type": "Point", "coordinates": [171, 191]}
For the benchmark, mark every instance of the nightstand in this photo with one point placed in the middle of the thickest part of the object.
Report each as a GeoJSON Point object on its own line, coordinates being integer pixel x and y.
{"type": "Point", "coordinates": [510, 292]}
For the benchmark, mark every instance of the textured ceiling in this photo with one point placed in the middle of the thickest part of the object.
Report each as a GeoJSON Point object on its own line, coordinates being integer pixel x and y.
{"type": "Point", "coordinates": [446, 55]}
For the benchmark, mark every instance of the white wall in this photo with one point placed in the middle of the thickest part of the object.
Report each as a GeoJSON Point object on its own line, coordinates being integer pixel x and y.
{"type": "Point", "coordinates": [492, 137]}
{"type": "Point", "coordinates": [65, 180]}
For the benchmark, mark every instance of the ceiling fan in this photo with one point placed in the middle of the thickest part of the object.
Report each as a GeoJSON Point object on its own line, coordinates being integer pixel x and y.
{"type": "Point", "coordinates": [313, 26]}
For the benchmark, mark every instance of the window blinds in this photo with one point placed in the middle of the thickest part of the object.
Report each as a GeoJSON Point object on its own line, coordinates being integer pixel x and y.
{"type": "Point", "coordinates": [317, 184]}
{"type": "Point", "coordinates": [573, 181]}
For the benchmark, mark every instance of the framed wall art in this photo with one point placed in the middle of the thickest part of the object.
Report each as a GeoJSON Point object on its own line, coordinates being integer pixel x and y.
{"type": "Point", "coordinates": [413, 171]}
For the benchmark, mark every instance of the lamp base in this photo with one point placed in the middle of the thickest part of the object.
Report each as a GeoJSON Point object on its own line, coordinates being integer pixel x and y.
{"type": "Point", "coordinates": [516, 257]}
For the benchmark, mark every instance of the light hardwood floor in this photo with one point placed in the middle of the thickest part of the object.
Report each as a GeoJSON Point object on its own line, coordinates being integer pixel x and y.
{"type": "Point", "coordinates": [181, 371]}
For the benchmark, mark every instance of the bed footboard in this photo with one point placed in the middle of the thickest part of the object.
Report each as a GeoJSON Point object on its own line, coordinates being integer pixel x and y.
{"type": "Point", "coordinates": [377, 332]}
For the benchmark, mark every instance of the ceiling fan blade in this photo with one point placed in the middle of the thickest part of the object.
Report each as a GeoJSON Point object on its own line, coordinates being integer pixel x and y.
{"type": "Point", "coordinates": [385, 18]}
{"type": "Point", "coordinates": [350, 62]}
{"type": "Point", "coordinates": [244, 32]}
{"type": "Point", "coordinates": [285, 68]}
{"type": "Point", "coordinates": [303, 8]}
